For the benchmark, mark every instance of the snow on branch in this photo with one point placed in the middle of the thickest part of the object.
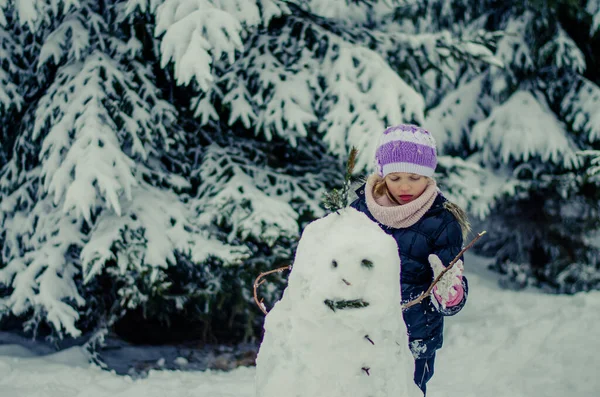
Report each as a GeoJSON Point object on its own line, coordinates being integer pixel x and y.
{"type": "Point", "coordinates": [594, 169]}
{"type": "Point", "coordinates": [166, 226]}
{"type": "Point", "coordinates": [472, 187]}
{"type": "Point", "coordinates": [308, 73]}
{"type": "Point", "coordinates": [305, 75]}
{"type": "Point", "coordinates": [593, 8]}
{"type": "Point", "coordinates": [199, 32]}
{"type": "Point", "coordinates": [34, 13]}
{"type": "Point", "coordinates": [81, 150]}
{"type": "Point", "coordinates": [357, 11]}
{"type": "Point", "coordinates": [288, 108]}
{"type": "Point", "coordinates": [363, 94]}
{"type": "Point", "coordinates": [512, 50]}
{"type": "Point", "coordinates": [27, 12]}
{"type": "Point", "coordinates": [580, 106]}
{"type": "Point", "coordinates": [563, 52]}
{"type": "Point", "coordinates": [251, 200]}
{"type": "Point", "coordinates": [469, 49]}
{"type": "Point", "coordinates": [522, 128]}
{"type": "Point", "coordinates": [441, 51]}
{"type": "Point", "coordinates": [10, 92]}
{"type": "Point", "coordinates": [450, 121]}
{"type": "Point", "coordinates": [142, 6]}
{"type": "Point", "coordinates": [270, 89]}
{"type": "Point", "coordinates": [36, 251]}
{"type": "Point", "coordinates": [70, 40]}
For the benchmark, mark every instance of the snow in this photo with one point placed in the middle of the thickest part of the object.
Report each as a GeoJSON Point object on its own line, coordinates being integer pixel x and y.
{"type": "Point", "coordinates": [195, 32]}
{"type": "Point", "coordinates": [503, 343]}
{"type": "Point", "coordinates": [564, 52]}
{"type": "Point", "coordinates": [449, 121]}
{"type": "Point", "coordinates": [314, 347]}
{"type": "Point", "coordinates": [522, 128]}
{"type": "Point", "coordinates": [579, 105]}
{"type": "Point", "coordinates": [593, 7]}
{"type": "Point", "coordinates": [363, 95]}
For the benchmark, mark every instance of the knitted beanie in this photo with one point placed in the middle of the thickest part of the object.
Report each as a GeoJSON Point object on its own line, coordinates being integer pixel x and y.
{"type": "Point", "coordinates": [406, 148]}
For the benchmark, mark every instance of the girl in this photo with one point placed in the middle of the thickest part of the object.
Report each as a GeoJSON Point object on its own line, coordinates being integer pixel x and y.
{"type": "Point", "coordinates": [404, 200]}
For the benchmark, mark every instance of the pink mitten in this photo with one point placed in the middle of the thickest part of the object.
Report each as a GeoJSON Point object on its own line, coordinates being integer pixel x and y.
{"type": "Point", "coordinates": [448, 291]}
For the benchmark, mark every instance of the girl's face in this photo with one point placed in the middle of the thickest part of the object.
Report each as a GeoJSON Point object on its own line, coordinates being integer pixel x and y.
{"type": "Point", "coordinates": [405, 187]}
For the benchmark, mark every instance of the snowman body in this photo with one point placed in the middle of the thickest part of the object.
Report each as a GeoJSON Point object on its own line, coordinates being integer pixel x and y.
{"type": "Point", "coordinates": [338, 330]}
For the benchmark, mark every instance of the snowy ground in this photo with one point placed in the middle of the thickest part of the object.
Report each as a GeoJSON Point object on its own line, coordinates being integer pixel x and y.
{"type": "Point", "coordinates": [503, 343]}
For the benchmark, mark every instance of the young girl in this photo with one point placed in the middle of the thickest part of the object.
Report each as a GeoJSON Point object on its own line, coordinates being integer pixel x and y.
{"type": "Point", "coordinates": [404, 200]}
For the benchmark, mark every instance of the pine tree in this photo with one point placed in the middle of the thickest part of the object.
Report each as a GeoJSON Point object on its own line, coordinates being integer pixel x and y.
{"type": "Point", "coordinates": [100, 191]}
{"type": "Point", "coordinates": [168, 141]}
{"type": "Point", "coordinates": [309, 78]}
{"type": "Point", "coordinates": [526, 124]}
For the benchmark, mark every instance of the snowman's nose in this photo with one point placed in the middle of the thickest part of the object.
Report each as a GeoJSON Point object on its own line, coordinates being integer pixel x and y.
{"type": "Point", "coordinates": [346, 282]}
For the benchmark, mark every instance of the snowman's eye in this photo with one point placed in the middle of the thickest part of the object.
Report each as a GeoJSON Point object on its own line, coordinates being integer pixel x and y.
{"type": "Point", "coordinates": [367, 263]}
{"type": "Point", "coordinates": [334, 264]}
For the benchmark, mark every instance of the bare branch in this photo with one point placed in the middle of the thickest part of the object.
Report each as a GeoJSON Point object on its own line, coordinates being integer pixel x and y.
{"type": "Point", "coordinates": [258, 282]}
{"type": "Point", "coordinates": [426, 293]}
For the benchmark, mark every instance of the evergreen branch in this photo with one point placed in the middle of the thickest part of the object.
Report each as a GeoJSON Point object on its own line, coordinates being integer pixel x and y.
{"type": "Point", "coordinates": [349, 171]}
{"type": "Point", "coordinates": [345, 304]}
{"type": "Point", "coordinates": [426, 293]}
{"type": "Point", "coordinates": [338, 199]}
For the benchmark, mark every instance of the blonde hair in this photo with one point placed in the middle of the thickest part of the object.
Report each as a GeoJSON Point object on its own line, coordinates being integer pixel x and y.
{"type": "Point", "coordinates": [461, 216]}
{"type": "Point", "coordinates": [380, 189]}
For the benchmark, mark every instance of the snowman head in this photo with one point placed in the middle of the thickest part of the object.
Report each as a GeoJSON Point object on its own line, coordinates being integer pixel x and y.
{"type": "Point", "coordinates": [346, 263]}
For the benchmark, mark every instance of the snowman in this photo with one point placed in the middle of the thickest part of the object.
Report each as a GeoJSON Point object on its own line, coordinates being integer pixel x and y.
{"type": "Point", "coordinates": [338, 329]}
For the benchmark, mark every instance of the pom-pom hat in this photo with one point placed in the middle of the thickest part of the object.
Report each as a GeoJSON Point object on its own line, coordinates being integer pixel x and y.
{"type": "Point", "coordinates": [406, 148]}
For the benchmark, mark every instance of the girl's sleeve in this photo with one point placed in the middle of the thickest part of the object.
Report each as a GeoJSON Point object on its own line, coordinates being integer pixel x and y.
{"type": "Point", "coordinates": [447, 245]}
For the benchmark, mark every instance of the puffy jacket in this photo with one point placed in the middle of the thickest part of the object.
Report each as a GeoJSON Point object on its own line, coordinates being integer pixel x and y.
{"type": "Point", "coordinates": [437, 232]}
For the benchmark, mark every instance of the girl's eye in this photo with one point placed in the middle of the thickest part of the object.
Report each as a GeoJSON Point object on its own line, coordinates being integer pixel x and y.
{"type": "Point", "coordinates": [415, 178]}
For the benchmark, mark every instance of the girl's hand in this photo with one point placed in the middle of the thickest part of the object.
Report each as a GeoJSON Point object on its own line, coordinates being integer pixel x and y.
{"type": "Point", "coordinates": [448, 291]}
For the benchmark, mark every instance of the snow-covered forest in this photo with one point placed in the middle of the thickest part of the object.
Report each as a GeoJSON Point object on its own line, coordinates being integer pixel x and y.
{"type": "Point", "coordinates": [157, 155]}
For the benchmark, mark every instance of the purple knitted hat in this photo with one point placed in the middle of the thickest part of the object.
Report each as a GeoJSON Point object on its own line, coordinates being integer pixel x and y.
{"type": "Point", "coordinates": [406, 148]}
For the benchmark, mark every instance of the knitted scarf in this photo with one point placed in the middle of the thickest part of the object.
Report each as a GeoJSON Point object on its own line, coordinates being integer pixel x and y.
{"type": "Point", "coordinates": [399, 216]}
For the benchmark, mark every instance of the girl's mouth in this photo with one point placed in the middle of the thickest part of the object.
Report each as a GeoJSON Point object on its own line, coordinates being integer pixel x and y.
{"type": "Point", "coordinates": [406, 197]}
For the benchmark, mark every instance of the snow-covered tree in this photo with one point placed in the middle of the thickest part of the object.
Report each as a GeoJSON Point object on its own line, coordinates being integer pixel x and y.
{"type": "Point", "coordinates": [175, 148]}
{"type": "Point", "coordinates": [525, 124]}
{"type": "Point", "coordinates": [100, 191]}
{"type": "Point", "coordinates": [303, 81]}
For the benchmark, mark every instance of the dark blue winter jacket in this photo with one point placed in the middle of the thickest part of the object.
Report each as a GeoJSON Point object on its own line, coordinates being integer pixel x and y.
{"type": "Point", "coordinates": [437, 232]}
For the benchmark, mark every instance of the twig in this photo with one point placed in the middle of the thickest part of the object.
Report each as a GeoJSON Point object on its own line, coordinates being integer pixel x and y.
{"type": "Point", "coordinates": [426, 293]}
{"type": "Point", "coordinates": [260, 304]}
{"type": "Point", "coordinates": [349, 171]}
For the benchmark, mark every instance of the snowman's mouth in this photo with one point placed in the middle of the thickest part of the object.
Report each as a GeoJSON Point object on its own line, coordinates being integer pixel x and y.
{"type": "Point", "coordinates": [345, 304]}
